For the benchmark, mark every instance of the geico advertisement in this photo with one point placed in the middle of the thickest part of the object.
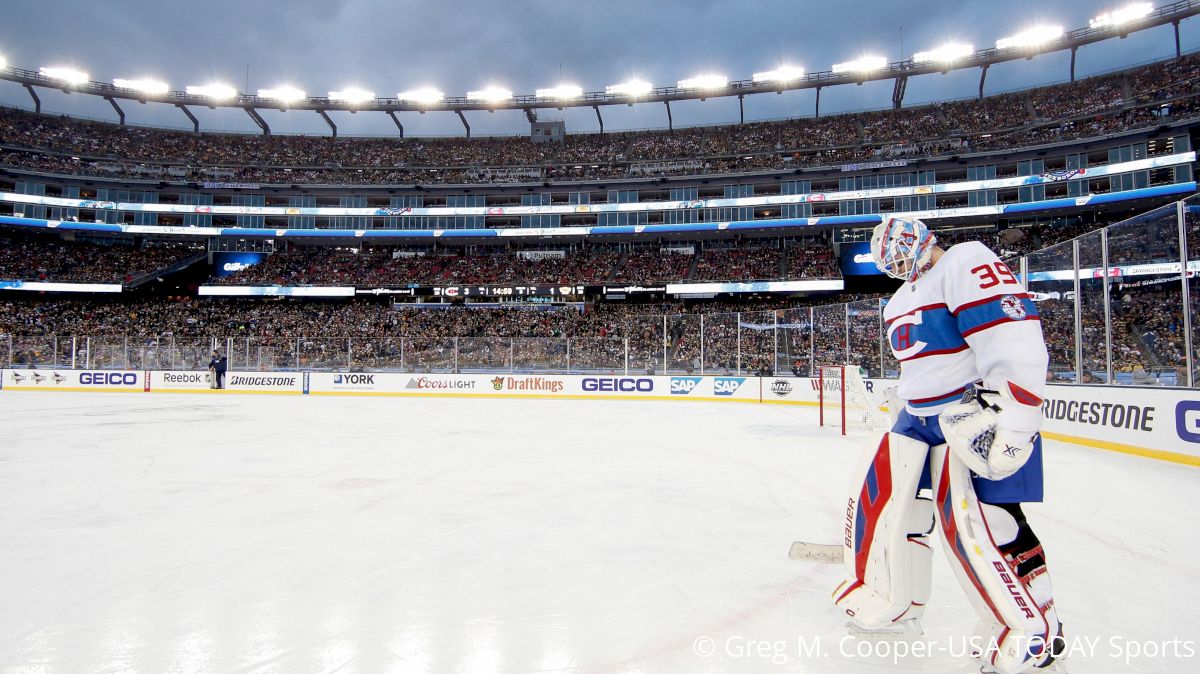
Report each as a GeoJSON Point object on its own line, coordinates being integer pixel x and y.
{"type": "Point", "coordinates": [180, 380]}
{"type": "Point", "coordinates": [1162, 419]}
{"type": "Point", "coordinates": [98, 380]}
{"type": "Point", "coordinates": [681, 387]}
{"type": "Point", "coordinates": [275, 382]}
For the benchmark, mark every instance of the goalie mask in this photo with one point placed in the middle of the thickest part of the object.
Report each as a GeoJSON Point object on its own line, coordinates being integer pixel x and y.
{"type": "Point", "coordinates": [902, 248]}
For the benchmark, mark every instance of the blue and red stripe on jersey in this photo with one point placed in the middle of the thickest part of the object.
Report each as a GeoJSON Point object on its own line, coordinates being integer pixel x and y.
{"type": "Point", "coordinates": [931, 327]}
{"type": "Point", "coordinates": [938, 400]}
{"type": "Point", "coordinates": [989, 312]}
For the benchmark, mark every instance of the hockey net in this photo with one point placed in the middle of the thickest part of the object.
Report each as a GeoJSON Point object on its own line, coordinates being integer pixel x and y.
{"type": "Point", "coordinates": [847, 404]}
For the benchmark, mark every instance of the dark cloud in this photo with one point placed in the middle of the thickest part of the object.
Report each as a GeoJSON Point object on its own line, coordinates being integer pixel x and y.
{"type": "Point", "coordinates": [387, 46]}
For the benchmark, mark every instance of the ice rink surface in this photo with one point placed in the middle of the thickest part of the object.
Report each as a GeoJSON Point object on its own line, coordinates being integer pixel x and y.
{"type": "Point", "coordinates": [240, 533]}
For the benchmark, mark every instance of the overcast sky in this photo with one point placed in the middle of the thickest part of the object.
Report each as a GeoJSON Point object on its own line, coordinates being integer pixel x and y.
{"type": "Point", "coordinates": [387, 46]}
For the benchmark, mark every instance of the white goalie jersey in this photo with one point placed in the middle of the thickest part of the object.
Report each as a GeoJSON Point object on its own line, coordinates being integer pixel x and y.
{"type": "Point", "coordinates": [967, 320]}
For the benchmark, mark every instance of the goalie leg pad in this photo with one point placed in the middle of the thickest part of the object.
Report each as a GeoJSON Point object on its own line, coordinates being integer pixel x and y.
{"type": "Point", "coordinates": [886, 553]}
{"type": "Point", "coordinates": [1000, 564]}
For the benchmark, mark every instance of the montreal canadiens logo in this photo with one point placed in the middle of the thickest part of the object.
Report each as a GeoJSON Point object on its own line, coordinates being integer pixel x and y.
{"type": "Point", "coordinates": [1012, 307]}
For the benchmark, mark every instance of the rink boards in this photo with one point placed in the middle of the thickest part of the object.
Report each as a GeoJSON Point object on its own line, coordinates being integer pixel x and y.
{"type": "Point", "coordinates": [1155, 422]}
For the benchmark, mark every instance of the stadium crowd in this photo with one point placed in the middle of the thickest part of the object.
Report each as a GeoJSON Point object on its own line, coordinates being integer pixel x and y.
{"type": "Point", "coordinates": [43, 258]}
{"type": "Point", "coordinates": [773, 260]}
{"type": "Point", "coordinates": [1135, 98]}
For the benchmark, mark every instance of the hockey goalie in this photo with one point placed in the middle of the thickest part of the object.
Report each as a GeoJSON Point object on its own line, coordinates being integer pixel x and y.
{"type": "Point", "coordinates": [962, 456]}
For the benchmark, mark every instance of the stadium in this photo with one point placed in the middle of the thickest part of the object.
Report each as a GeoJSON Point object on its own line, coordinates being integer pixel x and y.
{"type": "Point", "coordinates": [431, 321]}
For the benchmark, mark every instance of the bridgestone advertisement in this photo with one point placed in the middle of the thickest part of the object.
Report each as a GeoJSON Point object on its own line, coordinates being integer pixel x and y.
{"type": "Point", "coordinates": [265, 382]}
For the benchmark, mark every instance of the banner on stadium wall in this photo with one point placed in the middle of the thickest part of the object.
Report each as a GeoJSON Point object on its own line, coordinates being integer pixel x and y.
{"type": "Point", "coordinates": [648, 230]}
{"type": "Point", "coordinates": [755, 287]}
{"type": "Point", "coordinates": [74, 380]}
{"type": "Point", "coordinates": [43, 286]}
{"type": "Point", "coordinates": [276, 291]}
{"type": "Point", "coordinates": [1144, 164]}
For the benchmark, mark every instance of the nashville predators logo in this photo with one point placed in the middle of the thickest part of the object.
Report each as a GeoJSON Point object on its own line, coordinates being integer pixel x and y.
{"type": "Point", "coordinates": [498, 383]}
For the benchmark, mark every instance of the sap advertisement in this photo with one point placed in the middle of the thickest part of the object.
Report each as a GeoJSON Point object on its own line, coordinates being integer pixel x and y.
{"type": "Point", "coordinates": [856, 260]}
{"type": "Point", "coordinates": [229, 263]}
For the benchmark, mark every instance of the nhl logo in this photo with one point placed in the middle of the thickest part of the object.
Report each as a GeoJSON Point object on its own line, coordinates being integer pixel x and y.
{"type": "Point", "coordinates": [1012, 307]}
{"type": "Point", "coordinates": [781, 387]}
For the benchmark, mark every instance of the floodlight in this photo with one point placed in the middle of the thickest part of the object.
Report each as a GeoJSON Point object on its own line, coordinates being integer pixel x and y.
{"type": "Point", "coordinates": [68, 75]}
{"type": "Point", "coordinates": [425, 95]}
{"type": "Point", "coordinates": [1117, 17]}
{"type": "Point", "coordinates": [3, 63]}
{"type": "Point", "coordinates": [946, 53]}
{"type": "Point", "coordinates": [630, 88]}
{"type": "Point", "coordinates": [145, 86]}
{"type": "Point", "coordinates": [284, 94]}
{"type": "Point", "coordinates": [707, 81]}
{"type": "Point", "coordinates": [561, 92]}
{"type": "Point", "coordinates": [780, 74]}
{"type": "Point", "coordinates": [863, 64]}
{"type": "Point", "coordinates": [490, 94]}
{"type": "Point", "coordinates": [1033, 37]}
{"type": "Point", "coordinates": [215, 91]}
{"type": "Point", "coordinates": [352, 95]}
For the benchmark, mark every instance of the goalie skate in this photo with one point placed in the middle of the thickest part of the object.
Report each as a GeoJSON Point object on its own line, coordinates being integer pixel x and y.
{"type": "Point", "coordinates": [897, 630]}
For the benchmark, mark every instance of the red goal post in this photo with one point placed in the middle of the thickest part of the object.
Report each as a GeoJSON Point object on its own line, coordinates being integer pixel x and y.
{"type": "Point", "coordinates": [846, 403]}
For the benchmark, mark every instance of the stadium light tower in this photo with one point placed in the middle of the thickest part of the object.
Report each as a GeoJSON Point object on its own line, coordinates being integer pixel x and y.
{"type": "Point", "coordinates": [863, 64]}
{"type": "Point", "coordinates": [632, 88]}
{"type": "Point", "coordinates": [784, 73]}
{"type": "Point", "coordinates": [146, 86]}
{"type": "Point", "coordinates": [1032, 37]}
{"type": "Point", "coordinates": [352, 95]}
{"type": "Point", "coordinates": [490, 94]}
{"type": "Point", "coordinates": [63, 74]}
{"type": "Point", "coordinates": [708, 81]}
{"type": "Point", "coordinates": [947, 53]}
{"type": "Point", "coordinates": [216, 91]}
{"type": "Point", "coordinates": [423, 95]}
{"type": "Point", "coordinates": [1124, 15]}
{"type": "Point", "coordinates": [283, 94]}
{"type": "Point", "coordinates": [562, 92]}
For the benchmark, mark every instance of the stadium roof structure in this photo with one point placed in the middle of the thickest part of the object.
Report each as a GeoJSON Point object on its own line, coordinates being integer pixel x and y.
{"type": "Point", "coordinates": [696, 89]}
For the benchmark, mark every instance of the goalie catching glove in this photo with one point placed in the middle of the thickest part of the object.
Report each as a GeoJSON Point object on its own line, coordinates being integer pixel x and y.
{"type": "Point", "coordinates": [982, 431]}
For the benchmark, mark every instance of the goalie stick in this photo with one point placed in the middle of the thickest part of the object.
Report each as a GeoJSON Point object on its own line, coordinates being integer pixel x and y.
{"type": "Point", "coordinates": [818, 553]}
